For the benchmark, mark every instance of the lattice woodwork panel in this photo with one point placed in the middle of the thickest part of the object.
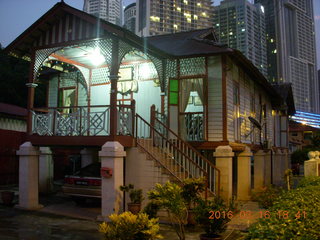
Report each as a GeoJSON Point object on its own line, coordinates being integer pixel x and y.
{"type": "Point", "coordinates": [125, 121]}
{"type": "Point", "coordinates": [67, 124]}
{"type": "Point", "coordinates": [124, 49]}
{"type": "Point", "coordinates": [96, 122]}
{"type": "Point", "coordinates": [151, 72]}
{"type": "Point", "coordinates": [40, 57]}
{"type": "Point", "coordinates": [68, 79]}
{"type": "Point", "coordinates": [42, 123]}
{"type": "Point", "coordinates": [159, 67]}
{"type": "Point", "coordinates": [100, 75]}
{"type": "Point", "coordinates": [192, 66]}
{"type": "Point", "coordinates": [171, 68]}
{"type": "Point", "coordinates": [85, 75]}
{"type": "Point", "coordinates": [106, 50]}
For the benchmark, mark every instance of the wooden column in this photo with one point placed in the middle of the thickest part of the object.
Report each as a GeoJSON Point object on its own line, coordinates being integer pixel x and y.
{"type": "Point", "coordinates": [113, 95]}
{"type": "Point", "coordinates": [31, 87]}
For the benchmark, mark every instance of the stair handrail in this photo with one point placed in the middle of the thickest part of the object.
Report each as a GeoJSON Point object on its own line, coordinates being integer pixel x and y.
{"type": "Point", "coordinates": [204, 172]}
{"type": "Point", "coordinates": [189, 146]}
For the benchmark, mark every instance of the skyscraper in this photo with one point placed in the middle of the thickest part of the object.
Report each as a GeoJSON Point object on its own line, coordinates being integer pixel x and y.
{"type": "Point", "coordinates": [130, 14]}
{"type": "Point", "coordinates": [156, 17]}
{"type": "Point", "coordinates": [109, 10]}
{"type": "Point", "coordinates": [291, 49]}
{"type": "Point", "coordinates": [241, 25]}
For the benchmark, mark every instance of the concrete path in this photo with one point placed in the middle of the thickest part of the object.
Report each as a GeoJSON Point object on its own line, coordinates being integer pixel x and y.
{"type": "Point", "coordinates": [249, 212]}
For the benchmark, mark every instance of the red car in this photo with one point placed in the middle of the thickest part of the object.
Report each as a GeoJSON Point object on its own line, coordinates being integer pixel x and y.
{"type": "Point", "coordinates": [86, 183]}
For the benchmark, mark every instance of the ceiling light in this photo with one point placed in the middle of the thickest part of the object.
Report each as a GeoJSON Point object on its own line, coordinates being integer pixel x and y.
{"type": "Point", "coordinates": [96, 57]}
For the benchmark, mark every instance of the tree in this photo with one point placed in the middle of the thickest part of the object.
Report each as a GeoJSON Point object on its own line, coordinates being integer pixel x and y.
{"type": "Point", "coordinates": [14, 73]}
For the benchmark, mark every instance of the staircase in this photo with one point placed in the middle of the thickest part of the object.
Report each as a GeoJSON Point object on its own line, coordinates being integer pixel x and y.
{"type": "Point", "coordinates": [177, 158]}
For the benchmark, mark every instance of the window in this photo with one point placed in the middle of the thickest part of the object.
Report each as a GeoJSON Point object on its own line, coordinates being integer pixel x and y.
{"type": "Point", "coordinates": [307, 135]}
{"type": "Point", "coordinates": [173, 91]}
{"type": "Point", "coordinates": [236, 99]}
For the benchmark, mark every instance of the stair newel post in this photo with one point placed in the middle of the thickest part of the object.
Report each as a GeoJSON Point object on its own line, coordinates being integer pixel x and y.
{"type": "Point", "coordinates": [133, 112]}
{"type": "Point", "coordinates": [207, 185]}
{"type": "Point", "coordinates": [152, 121]}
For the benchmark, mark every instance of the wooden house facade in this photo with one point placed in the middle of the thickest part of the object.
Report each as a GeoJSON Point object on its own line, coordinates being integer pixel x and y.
{"type": "Point", "coordinates": [176, 97]}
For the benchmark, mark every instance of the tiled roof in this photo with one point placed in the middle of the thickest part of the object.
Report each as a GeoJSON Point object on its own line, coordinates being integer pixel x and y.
{"type": "Point", "coordinates": [13, 110]}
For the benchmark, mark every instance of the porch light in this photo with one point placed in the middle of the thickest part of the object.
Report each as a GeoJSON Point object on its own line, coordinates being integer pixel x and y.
{"type": "Point", "coordinates": [96, 57]}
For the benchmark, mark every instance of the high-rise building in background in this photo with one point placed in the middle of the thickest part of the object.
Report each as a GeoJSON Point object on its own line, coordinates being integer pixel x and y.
{"type": "Point", "coordinates": [130, 17]}
{"type": "Point", "coordinates": [291, 49]}
{"type": "Point", "coordinates": [109, 10]}
{"type": "Point", "coordinates": [241, 25]}
{"type": "Point", "coordinates": [156, 17]}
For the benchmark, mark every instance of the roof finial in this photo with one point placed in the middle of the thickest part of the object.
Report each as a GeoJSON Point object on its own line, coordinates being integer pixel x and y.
{"type": "Point", "coordinates": [62, 1]}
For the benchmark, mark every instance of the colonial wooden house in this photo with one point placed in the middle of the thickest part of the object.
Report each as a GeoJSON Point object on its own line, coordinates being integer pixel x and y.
{"type": "Point", "coordinates": [181, 105]}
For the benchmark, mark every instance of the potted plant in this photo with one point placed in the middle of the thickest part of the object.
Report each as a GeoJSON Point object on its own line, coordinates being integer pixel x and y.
{"type": "Point", "coordinates": [191, 192]}
{"type": "Point", "coordinates": [212, 216]}
{"type": "Point", "coordinates": [135, 196]}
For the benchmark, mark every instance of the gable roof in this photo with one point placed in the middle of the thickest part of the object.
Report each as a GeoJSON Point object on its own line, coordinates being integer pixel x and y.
{"type": "Point", "coordinates": [285, 91]}
{"type": "Point", "coordinates": [62, 24]}
{"type": "Point", "coordinates": [204, 43]}
{"type": "Point", "coordinates": [13, 110]}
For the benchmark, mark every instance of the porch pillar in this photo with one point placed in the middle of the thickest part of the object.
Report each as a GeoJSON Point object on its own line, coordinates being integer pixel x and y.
{"type": "Point", "coordinates": [259, 169]}
{"type": "Point", "coordinates": [45, 170]}
{"type": "Point", "coordinates": [112, 154]}
{"type": "Point", "coordinates": [268, 167]}
{"type": "Point", "coordinates": [31, 87]}
{"type": "Point", "coordinates": [87, 157]}
{"type": "Point", "coordinates": [28, 177]}
{"type": "Point", "coordinates": [114, 90]}
{"type": "Point", "coordinates": [277, 167]}
{"type": "Point", "coordinates": [223, 155]}
{"type": "Point", "coordinates": [244, 175]}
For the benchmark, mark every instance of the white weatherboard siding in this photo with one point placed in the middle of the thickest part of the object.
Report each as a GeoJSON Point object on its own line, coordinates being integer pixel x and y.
{"type": "Point", "coordinates": [100, 95]}
{"type": "Point", "coordinates": [53, 92]}
{"type": "Point", "coordinates": [82, 95]}
{"type": "Point", "coordinates": [245, 99]}
{"type": "Point", "coordinates": [215, 113]}
{"type": "Point", "coordinates": [270, 132]}
{"type": "Point", "coordinates": [12, 124]}
{"type": "Point", "coordinates": [146, 96]}
{"type": "Point", "coordinates": [230, 106]}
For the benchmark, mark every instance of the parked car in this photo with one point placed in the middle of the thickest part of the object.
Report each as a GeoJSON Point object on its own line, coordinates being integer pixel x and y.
{"type": "Point", "coordinates": [86, 183]}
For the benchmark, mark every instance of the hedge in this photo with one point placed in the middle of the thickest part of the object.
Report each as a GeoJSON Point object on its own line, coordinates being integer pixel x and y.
{"type": "Point", "coordinates": [295, 214]}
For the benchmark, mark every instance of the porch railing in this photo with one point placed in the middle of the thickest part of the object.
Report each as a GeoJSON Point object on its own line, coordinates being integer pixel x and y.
{"type": "Point", "coordinates": [179, 158]}
{"type": "Point", "coordinates": [81, 120]}
{"type": "Point", "coordinates": [194, 122]}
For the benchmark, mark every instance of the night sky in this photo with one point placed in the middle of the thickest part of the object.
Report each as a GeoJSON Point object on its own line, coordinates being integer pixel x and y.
{"type": "Point", "coordinates": [17, 15]}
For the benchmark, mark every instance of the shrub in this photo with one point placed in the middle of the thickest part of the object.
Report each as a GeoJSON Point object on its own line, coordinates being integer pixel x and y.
{"type": "Point", "coordinates": [169, 197]}
{"type": "Point", "coordinates": [299, 156]}
{"type": "Point", "coordinates": [192, 189]}
{"type": "Point", "coordinates": [151, 209]}
{"type": "Point", "coordinates": [309, 181]}
{"type": "Point", "coordinates": [128, 226]}
{"type": "Point", "coordinates": [294, 215]}
{"type": "Point", "coordinates": [266, 195]}
{"type": "Point", "coordinates": [205, 216]}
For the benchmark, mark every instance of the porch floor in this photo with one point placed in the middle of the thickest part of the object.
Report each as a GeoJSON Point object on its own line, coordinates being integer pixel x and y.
{"type": "Point", "coordinates": [126, 141]}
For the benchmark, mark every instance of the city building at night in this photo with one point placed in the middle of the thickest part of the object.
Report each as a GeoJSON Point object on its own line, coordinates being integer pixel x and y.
{"type": "Point", "coordinates": [291, 49]}
{"type": "Point", "coordinates": [108, 10]}
{"type": "Point", "coordinates": [156, 17]}
{"type": "Point", "coordinates": [241, 25]}
{"type": "Point", "coordinates": [130, 17]}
